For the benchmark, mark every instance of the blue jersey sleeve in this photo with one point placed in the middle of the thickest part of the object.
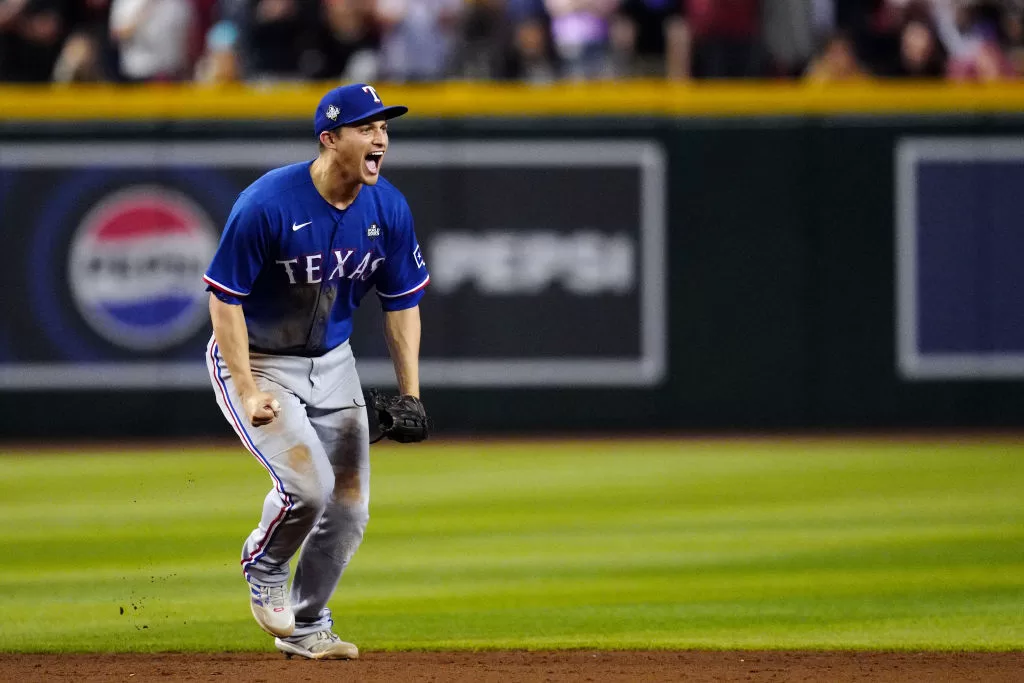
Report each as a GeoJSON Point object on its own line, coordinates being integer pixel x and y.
{"type": "Point", "coordinates": [241, 253]}
{"type": "Point", "coordinates": [403, 276]}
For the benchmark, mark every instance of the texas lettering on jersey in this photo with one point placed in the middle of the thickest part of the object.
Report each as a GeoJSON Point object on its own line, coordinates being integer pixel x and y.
{"type": "Point", "coordinates": [299, 267]}
{"type": "Point", "coordinates": [313, 269]}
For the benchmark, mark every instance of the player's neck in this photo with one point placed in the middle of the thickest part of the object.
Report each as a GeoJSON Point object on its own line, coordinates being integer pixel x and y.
{"type": "Point", "coordinates": [330, 181]}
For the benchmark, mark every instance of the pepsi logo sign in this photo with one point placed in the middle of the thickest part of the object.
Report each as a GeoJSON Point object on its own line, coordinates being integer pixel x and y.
{"type": "Point", "coordinates": [136, 264]}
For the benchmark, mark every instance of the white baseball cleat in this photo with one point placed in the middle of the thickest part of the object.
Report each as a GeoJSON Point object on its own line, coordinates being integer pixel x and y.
{"type": "Point", "coordinates": [272, 609]}
{"type": "Point", "coordinates": [319, 645]}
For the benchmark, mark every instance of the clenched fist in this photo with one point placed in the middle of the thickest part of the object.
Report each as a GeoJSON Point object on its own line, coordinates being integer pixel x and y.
{"type": "Point", "coordinates": [261, 408]}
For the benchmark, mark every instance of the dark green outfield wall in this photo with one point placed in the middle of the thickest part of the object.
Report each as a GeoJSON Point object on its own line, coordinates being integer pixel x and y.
{"type": "Point", "coordinates": [781, 289]}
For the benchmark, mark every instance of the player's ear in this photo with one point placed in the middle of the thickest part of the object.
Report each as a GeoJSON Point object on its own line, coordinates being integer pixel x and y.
{"type": "Point", "coordinates": [328, 138]}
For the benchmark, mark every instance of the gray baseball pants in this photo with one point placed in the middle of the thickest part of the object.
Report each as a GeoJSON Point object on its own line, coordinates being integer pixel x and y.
{"type": "Point", "coordinates": [318, 455]}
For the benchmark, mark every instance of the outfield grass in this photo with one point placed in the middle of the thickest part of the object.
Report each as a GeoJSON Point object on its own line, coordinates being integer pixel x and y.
{"type": "Point", "coordinates": [716, 544]}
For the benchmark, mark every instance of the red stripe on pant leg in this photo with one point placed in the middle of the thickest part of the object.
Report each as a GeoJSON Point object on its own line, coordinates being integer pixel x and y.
{"type": "Point", "coordinates": [249, 446]}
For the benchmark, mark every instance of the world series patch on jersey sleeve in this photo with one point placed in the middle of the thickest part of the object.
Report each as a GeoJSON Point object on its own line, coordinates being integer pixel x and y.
{"type": "Point", "coordinates": [299, 267]}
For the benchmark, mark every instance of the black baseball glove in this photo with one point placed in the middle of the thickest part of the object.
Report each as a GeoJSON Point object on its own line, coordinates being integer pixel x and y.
{"type": "Point", "coordinates": [401, 418]}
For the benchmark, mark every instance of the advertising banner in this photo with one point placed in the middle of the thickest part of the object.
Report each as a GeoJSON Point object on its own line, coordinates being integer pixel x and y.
{"type": "Point", "coordinates": [547, 260]}
{"type": "Point", "coordinates": [960, 258]}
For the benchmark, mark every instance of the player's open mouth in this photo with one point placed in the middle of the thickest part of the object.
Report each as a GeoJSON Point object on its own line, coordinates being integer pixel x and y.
{"type": "Point", "coordinates": [373, 160]}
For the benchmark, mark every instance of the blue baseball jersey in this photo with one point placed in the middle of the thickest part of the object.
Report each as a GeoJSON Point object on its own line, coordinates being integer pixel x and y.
{"type": "Point", "coordinates": [299, 266]}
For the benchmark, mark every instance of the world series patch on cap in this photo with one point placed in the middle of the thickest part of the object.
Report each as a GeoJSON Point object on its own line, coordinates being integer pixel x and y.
{"type": "Point", "coordinates": [349, 104]}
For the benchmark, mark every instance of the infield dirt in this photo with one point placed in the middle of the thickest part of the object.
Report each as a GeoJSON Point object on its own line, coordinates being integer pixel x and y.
{"type": "Point", "coordinates": [509, 667]}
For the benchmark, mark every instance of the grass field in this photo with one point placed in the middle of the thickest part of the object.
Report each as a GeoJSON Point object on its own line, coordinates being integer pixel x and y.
{"type": "Point", "coordinates": [616, 544]}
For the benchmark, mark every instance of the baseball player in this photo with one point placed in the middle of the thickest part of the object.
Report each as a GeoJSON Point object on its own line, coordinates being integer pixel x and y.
{"type": "Point", "coordinates": [302, 246]}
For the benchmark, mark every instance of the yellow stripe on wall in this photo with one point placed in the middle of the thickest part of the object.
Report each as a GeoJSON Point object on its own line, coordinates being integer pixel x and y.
{"type": "Point", "coordinates": [447, 100]}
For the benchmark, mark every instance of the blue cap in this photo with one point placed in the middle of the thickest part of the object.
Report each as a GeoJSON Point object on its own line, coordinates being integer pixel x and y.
{"type": "Point", "coordinates": [350, 104]}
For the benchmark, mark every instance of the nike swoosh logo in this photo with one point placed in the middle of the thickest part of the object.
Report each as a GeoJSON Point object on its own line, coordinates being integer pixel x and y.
{"type": "Point", "coordinates": [300, 227]}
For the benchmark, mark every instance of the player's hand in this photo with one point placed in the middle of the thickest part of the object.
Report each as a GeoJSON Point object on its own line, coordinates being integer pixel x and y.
{"type": "Point", "coordinates": [261, 408]}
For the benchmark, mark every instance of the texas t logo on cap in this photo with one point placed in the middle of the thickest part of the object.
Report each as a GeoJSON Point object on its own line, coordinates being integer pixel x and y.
{"type": "Point", "coordinates": [351, 104]}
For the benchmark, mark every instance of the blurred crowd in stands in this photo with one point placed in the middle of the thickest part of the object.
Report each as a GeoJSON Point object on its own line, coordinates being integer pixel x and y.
{"type": "Point", "coordinates": [218, 41]}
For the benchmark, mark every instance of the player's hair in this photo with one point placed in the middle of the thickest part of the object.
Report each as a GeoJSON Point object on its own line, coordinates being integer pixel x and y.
{"type": "Point", "coordinates": [333, 131]}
